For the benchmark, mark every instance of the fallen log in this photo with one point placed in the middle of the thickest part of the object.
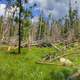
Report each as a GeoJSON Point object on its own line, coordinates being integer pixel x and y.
{"type": "Point", "coordinates": [12, 48]}
{"type": "Point", "coordinates": [54, 59]}
{"type": "Point", "coordinates": [58, 57]}
{"type": "Point", "coordinates": [48, 63]}
{"type": "Point", "coordinates": [55, 47]}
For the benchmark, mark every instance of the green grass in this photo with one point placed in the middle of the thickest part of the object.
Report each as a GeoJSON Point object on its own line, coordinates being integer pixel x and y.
{"type": "Point", "coordinates": [24, 67]}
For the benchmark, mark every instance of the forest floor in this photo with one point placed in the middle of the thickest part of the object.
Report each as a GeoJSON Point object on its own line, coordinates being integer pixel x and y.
{"type": "Point", "coordinates": [24, 67]}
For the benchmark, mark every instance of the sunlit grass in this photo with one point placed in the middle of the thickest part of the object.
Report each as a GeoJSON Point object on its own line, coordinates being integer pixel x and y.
{"type": "Point", "coordinates": [23, 66]}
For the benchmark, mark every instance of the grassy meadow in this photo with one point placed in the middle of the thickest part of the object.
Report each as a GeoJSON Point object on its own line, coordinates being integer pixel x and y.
{"type": "Point", "coordinates": [24, 67]}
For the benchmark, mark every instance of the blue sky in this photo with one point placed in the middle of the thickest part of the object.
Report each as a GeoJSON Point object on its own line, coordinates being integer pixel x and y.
{"type": "Point", "coordinates": [57, 8]}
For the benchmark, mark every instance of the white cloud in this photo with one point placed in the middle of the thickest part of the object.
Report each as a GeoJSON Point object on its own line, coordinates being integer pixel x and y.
{"type": "Point", "coordinates": [57, 7]}
{"type": "Point", "coordinates": [2, 9]}
{"type": "Point", "coordinates": [31, 1]}
{"type": "Point", "coordinates": [43, 3]}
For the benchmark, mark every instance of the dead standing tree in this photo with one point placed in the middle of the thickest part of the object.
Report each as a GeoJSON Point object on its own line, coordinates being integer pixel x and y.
{"type": "Point", "coordinates": [55, 32]}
